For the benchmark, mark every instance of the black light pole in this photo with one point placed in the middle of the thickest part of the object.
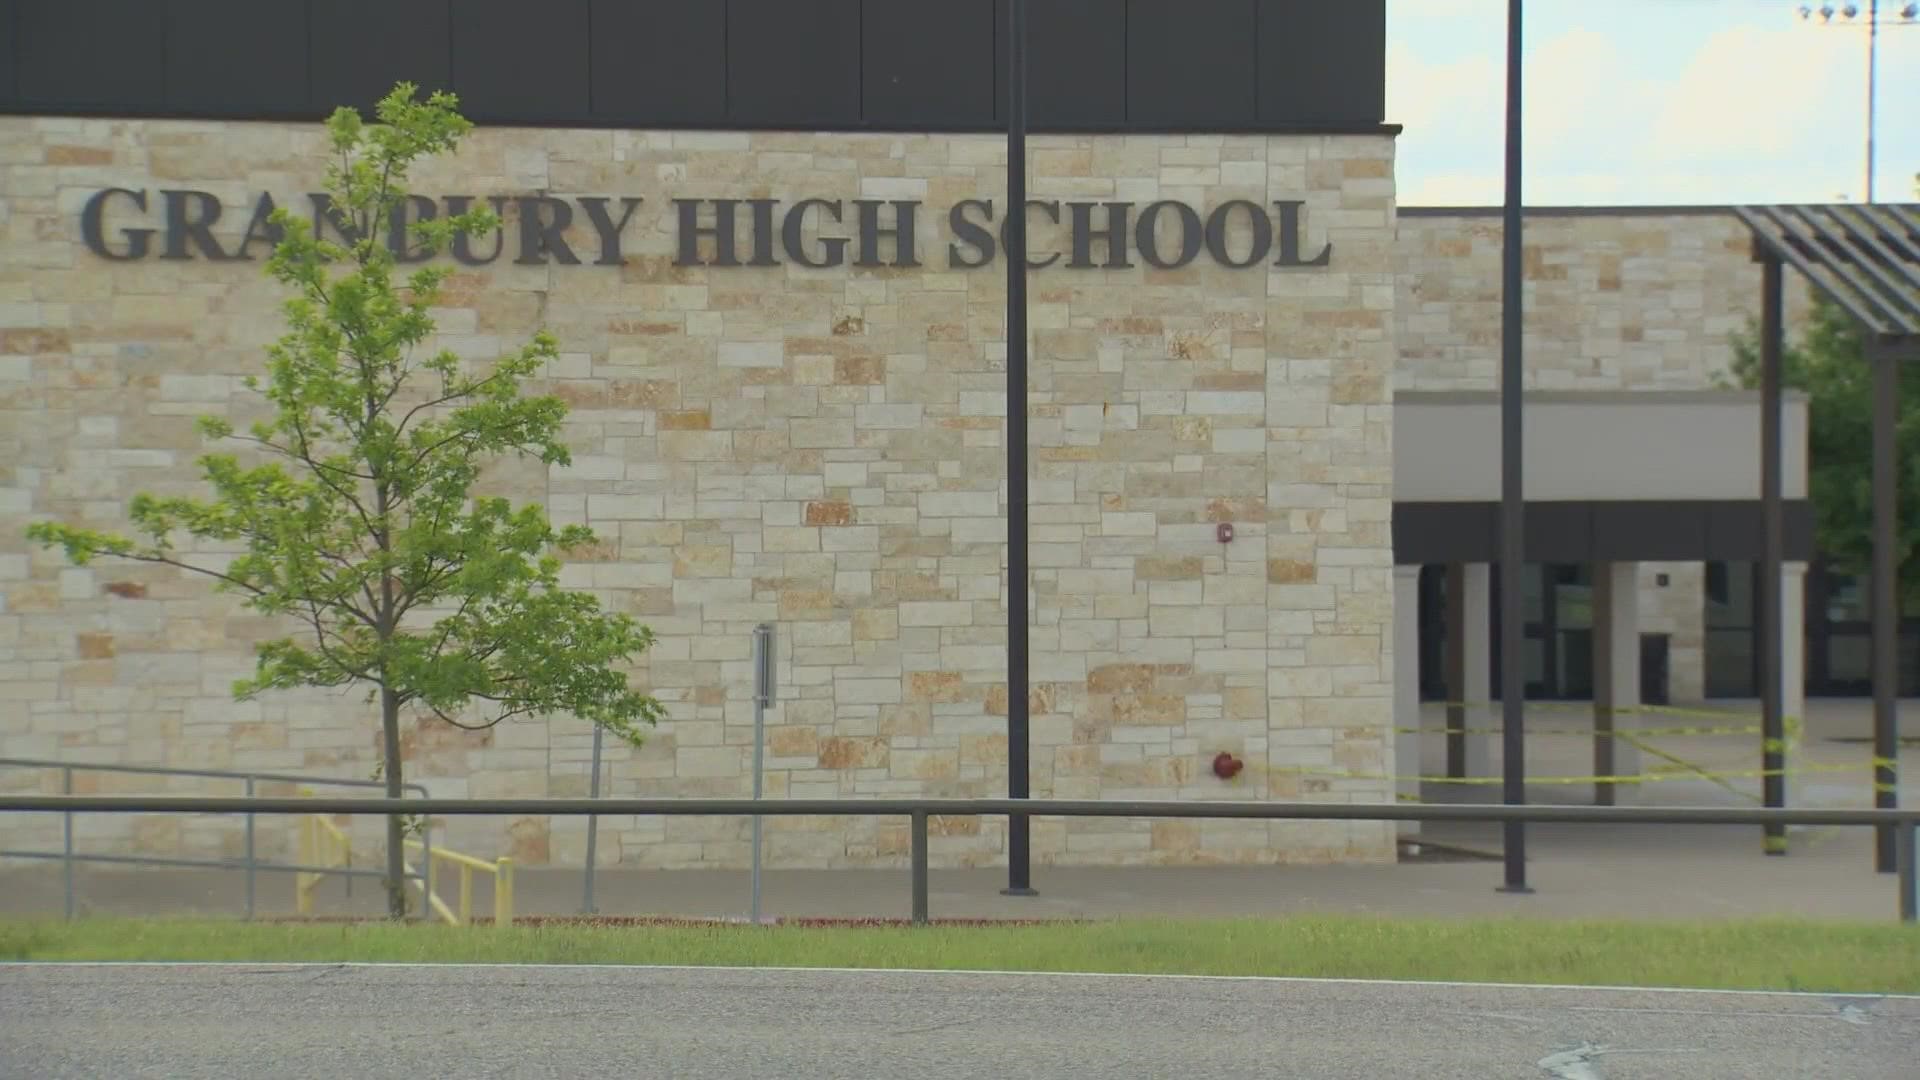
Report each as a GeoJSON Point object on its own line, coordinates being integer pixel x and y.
{"type": "Point", "coordinates": [1019, 857]}
{"type": "Point", "coordinates": [1512, 504]}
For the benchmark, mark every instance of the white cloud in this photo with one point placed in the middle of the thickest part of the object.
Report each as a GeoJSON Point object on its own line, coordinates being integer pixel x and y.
{"type": "Point", "coordinates": [1754, 113]}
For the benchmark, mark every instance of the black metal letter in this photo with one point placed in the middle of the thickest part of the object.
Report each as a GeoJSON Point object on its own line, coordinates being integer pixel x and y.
{"type": "Point", "coordinates": [182, 226]}
{"type": "Point", "coordinates": [539, 237]}
{"type": "Point", "coordinates": [1190, 235]}
{"type": "Point", "coordinates": [400, 235]}
{"type": "Point", "coordinates": [1115, 234]}
{"type": "Point", "coordinates": [92, 232]}
{"type": "Point", "coordinates": [763, 232]}
{"type": "Point", "coordinates": [791, 235]}
{"type": "Point", "coordinates": [971, 232]}
{"type": "Point", "coordinates": [609, 230]}
{"type": "Point", "coordinates": [1052, 207]}
{"type": "Point", "coordinates": [1290, 237]}
{"type": "Point", "coordinates": [905, 240]}
{"type": "Point", "coordinates": [260, 228]}
{"type": "Point", "coordinates": [1217, 234]}
{"type": "Point", "coordinates": [325, 213]}
{"type": "Point", "coordinates": [691, 231]}
{"type": "Point", "coordinates": [463, 244]}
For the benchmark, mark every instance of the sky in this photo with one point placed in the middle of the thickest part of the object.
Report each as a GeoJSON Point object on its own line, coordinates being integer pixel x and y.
{"type": "Point", "coordinates": [1637, 102]}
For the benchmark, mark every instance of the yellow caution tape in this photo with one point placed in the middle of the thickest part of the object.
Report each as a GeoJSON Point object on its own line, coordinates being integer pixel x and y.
{"type": "Point", "coordinates": [1689, 766]}
{"type": "Point", "coordinates": [1630, 710]}
{"type": "Point", "coordinates": [1653, 775]}
{"type": "Point", "coordinates": [1749, 729]}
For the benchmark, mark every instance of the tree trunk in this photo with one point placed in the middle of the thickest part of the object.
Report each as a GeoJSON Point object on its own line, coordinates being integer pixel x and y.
{"type": "Point", "coordinates": [396, 846]}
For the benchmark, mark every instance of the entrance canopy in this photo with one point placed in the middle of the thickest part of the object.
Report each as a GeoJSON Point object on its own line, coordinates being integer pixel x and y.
{"type": "Point", "coordinates": [1864, 258]}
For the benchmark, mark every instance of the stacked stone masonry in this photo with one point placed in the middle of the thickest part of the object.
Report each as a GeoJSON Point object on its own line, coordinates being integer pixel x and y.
{"type": "Point", "coordinates": [818, 448]}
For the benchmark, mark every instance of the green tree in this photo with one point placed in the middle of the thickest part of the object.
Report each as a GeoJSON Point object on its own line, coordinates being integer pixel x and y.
{"type": "Point", "coordinates": [357, 514]}
{"type": "Point", "coordinates": [1828, 363]}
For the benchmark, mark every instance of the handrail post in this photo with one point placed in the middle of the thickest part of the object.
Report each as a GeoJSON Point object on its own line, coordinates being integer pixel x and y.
{"type": "Point", "coordinates": [502, 893]}
{"type": "Point", "coordinates": [250, 874]}
{"type": "Point", "coordinates": [302, 880]}
{"type": "Point", "coordinates": [466, 894]}
{"type": "Point", "coordinates": [67, 837]}
{"type": "Point", "coordinates": [1907, 857]}
{"type": "Point", "coordinates": [919, 868]}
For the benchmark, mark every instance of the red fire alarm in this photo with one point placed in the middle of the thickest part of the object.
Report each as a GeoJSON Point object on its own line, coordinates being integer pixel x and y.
{"type": "Point", "coordinates": [1225, 532]}
{"type": "Point", "coordinates": [1226, 766]}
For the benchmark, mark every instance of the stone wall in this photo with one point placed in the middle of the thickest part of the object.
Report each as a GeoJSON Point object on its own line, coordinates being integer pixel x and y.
{"type": "Point", "coordinates": [821, 448]}
{"type": "Point", "coordinates": [1616, 299]}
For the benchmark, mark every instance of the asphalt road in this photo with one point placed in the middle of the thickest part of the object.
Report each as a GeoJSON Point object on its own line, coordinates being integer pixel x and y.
{"type": "Point", "coordinates": [271, 1021]}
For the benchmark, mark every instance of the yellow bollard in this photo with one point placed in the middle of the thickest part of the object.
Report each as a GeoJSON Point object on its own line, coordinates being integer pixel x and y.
{"type": "Point", "coordinates": [503, 893]}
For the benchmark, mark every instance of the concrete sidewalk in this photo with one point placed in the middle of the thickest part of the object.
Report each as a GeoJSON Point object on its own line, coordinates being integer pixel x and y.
{"type": "Point", "coordinates": [1644, 873]}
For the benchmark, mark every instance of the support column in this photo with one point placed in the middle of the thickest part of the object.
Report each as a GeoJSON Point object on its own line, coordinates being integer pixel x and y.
{"type": "Point", "coordinates": [1886, 594]}
{"type": "Point", "coordinates": [1469, 670]}
{"type": "Point", "coordinates": [1406, 686]}
{"type": "Point", "coordinates": [1616, 675]}
{"type": "Point", "coordinates": [1793, 667]}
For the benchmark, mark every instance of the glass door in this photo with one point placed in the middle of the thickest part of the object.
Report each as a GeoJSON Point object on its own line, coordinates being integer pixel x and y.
{"type": "Point", "coordinates": [1558, 635]}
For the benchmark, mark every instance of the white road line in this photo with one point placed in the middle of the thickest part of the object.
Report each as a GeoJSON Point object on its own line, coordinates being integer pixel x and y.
{"type": "Point", "coordinates": [1278, 979]}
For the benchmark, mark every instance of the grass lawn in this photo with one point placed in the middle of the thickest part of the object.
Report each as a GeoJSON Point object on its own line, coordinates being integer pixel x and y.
{"type": "Point", "coordinates": [1769, 955]}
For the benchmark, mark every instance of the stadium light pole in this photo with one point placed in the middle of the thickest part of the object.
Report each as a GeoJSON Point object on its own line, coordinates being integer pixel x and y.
{"type": "Point", "coordinates": [1908, 15]}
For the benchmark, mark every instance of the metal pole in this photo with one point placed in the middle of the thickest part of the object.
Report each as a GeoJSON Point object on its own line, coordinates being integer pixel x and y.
{"type": "Point", "coordinates": [1909, 888]}
{"type": "Point", "coordinates": [762, 697]}
{"type": "Point", "coordinates": [1873, 87]}
{"type": "Point", "coordinates": [1019, 870]}
{"type": "Point", "coordinates": [67, 829]}
{"type": "Point", "coordinates": [593, 825]}
{"type": "Point", "coordinates": [1456, 650]}
{"type": "Point", "coordinates": [1773, 731]}
{"type": "Point", "coordinates": [919, 868]}
{"type": "Point", "coordinates": [1886, 591]}
{"type": "Point", "coordinates": [250, 874]}
{"type": "Point", "coordinates": [1512, 504]}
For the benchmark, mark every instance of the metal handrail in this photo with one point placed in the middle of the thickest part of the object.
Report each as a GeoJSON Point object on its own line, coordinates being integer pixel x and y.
{"type": "Point", "coordinates": [218, 774]}
{"type": "Point", "coordinates": [1905, 823]}
{"type": "Point", "coordinates": [500, 869]}
{"type": "Point", "coordinates": [68, 856]}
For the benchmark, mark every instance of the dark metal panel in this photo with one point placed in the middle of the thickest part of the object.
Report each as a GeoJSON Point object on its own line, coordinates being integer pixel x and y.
{"type": "Point", "coordinates": [515, 61]}
{"type": "Point", "coordinates": [1192, 62]}
{"type": "Point", "coordinates": [232, 57]}
{"type": "Point", "coordinates": [1649, 531]}
{"type": "Point", "coordinates": [1609, 531]}
{"type": "Point", "coordinates": [9, 41]}
{"type": "Point", "coordinates": [1442, 532]}
{"type": "Point", "coordinates": [794, 62]}
{"type": "Point", "coordinates": [1078, 74]}
{"type": "Point", "coordinates": [1558, 531]}
{"type": "Point", "coordinates": [925, 62]}
{"type": "Point", "coordinates": [1735, 531]}
{"type": "Point", "coordinates": [361, 48]}
{"type": "Point", "coordinates": [1323, 63]}
{"type": "Point", "coordinates": [660, 61]}
{"type": "Point", "coordinates": [90, 53]}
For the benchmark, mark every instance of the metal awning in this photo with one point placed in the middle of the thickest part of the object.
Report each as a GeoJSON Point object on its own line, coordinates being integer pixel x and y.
{"type": "Point", "coordinates": [1864, 258]}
